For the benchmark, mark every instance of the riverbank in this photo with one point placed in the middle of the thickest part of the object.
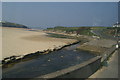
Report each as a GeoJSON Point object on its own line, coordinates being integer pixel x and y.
{"type": "Point", "coordinates": [56, 60]}
{"type": "Point", "coordinates": [93, 44]}
{"type": "Point", "coordinates": [20, 42]}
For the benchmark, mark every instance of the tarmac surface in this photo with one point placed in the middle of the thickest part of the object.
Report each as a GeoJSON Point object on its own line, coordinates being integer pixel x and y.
{"type": "Point", "coordinates": [109, 71]}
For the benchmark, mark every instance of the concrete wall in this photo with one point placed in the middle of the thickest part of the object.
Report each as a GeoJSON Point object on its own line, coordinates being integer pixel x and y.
{"type": "Point", "coordinates": [85, 71]}
{"type": "Point", "coordinates": [107, 53]}
{"type": "Point", "coordinates": [82, 70]}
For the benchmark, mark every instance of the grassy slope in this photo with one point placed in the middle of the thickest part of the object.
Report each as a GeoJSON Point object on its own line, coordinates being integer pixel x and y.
{"type": "Point", "coordinates": [76, 30]}
{"type": "Point", "coordinates": [60, 36]}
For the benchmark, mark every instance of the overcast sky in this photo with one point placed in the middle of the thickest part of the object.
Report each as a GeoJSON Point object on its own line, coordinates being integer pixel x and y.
{"type": "Point", "coordinates": [50, 14]}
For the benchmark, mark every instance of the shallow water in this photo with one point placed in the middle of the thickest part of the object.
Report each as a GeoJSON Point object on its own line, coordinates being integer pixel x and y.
{"type": "Point", "coordinates": [48, 63]}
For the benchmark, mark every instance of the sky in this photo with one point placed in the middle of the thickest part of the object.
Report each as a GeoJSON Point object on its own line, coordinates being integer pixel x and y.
{"type": "Point", "coordinates": [119, 12]}
{"type": "Point", "coordinates": [51, 14]}
{"type": "Point", "coordinates": [59, 0]}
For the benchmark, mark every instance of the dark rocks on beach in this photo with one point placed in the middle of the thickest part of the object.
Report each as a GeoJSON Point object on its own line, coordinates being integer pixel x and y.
{"type": "Point", "coordinates": [9, 59]}
{"type": "Point", "coordinates": [3, 62]}
{"type": "Point", "coordinates": [28, 55]}
{"type": "Point", "coordinates": [12, 57]}
{"type": "Point", "coordinates": [15, 59]}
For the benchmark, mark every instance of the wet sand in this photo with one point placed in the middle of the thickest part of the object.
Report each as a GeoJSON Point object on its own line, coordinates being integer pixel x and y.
{"type": "Point", "coordinates": [16, 41]}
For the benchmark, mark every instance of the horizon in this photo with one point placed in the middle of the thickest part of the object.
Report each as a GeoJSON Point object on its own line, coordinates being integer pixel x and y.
{"type": "Point", "coordinates": [53, 26]}
{"type": "Point", "coordinates": [68, 14]}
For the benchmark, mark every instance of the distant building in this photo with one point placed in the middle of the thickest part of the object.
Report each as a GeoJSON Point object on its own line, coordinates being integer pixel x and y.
{"type": "Point", "coordinates": [116, 25]}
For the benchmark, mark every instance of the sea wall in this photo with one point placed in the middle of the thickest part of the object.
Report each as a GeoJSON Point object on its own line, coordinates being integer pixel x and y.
{"type": "Point", "coordinates": [108, 53]}
{"type": "Point", "coordinates": [82, 70]}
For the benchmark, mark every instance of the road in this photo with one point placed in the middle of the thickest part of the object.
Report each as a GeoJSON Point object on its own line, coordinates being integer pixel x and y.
{"type": "Point", "coordinates": [110, 71]}
{"type": "Point", "coordinates": [100, 32]}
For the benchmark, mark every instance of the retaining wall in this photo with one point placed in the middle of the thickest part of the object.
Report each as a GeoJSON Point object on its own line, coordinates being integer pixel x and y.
{"type": "Point", "coordinates": [107, 53]}
{"type": "Point", "coordinates": [82, 70]}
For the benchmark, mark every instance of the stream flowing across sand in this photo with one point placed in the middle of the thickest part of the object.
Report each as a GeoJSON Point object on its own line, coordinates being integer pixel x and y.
{"type": "Point", "coordinates": [48, 63]}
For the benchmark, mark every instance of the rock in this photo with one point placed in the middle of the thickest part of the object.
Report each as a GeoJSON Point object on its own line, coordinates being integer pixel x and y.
{"type": "Point", "coordinates": [61, 56]}
{"type": "Point", "coordinates": [49, 60]}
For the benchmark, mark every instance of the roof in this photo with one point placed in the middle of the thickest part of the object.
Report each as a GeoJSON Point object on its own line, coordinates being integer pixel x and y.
{"type": "Point", "coordinates": [117, 24]}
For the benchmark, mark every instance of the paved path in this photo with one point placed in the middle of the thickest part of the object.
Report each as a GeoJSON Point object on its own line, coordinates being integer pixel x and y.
{"type": "Point", "coordinates": [100, 32]}
{"type": "Point", "coordinates": [111, 71]}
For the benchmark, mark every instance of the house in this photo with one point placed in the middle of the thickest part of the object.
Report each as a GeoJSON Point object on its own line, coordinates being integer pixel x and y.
{"type": "Point", "coordinates": [116, 25]}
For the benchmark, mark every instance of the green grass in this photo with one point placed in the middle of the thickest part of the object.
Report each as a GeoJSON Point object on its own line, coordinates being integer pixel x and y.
{"type": "Point", "coordinates": [61, 29]}
{"type": "Point", "coordinates": [98, 28]}
{"type": "Point", "coordinates": [74, 30]}
{"type": "Point", "coordinates": [60, 36]}
{"type": "Point", "coordinates": [86, 32]}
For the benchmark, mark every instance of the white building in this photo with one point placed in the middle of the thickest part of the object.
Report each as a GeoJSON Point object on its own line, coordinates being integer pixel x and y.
{"type": "Point", "coordinates": [116, 25]}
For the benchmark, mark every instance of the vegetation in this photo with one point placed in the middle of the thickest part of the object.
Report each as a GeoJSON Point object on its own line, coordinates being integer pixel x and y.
{"type": "Point", "coordinates": [9, 24]}
{"type": "Point", "coordinates": [60, 36]}
{"type": "Point", "coordinates": [112, 30]}
{"type": "Point", "coordinates": [85, 31]}
{"type": "Point", "coordinates": [98, 27]}
{"type": "Point", "coordinates": [72, 30]}
{"type": "Point", "coordinates": [63, 29]}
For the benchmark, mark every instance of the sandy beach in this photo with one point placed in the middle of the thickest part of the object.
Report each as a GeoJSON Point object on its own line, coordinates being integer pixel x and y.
{"type": "Point", "coordinates": [17, 41]}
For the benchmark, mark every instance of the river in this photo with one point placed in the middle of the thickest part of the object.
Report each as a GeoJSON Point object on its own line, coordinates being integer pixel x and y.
{"type": "Point", "coordinates": [48, 63]}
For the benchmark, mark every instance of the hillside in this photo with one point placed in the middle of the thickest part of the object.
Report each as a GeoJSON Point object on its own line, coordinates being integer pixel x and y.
{"type": "Point", "coordinates": [74, 30]}
{"type": "Point", "coordinates": [15, 25]}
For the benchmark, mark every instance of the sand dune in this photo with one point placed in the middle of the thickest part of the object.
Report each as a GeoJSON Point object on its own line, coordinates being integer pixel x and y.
{"type": "Point", "coordinates": [17, 41]}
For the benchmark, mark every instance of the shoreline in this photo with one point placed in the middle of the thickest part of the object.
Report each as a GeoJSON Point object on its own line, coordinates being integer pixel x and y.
{"type": "Point", "coordinates": [39, 38]}
{"type": "Point", "coordinates": [16, 59]}
{"type": "Point", "coordinates": [18, 42]}
{"type": "Point", "coordinates": [85, 42]}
